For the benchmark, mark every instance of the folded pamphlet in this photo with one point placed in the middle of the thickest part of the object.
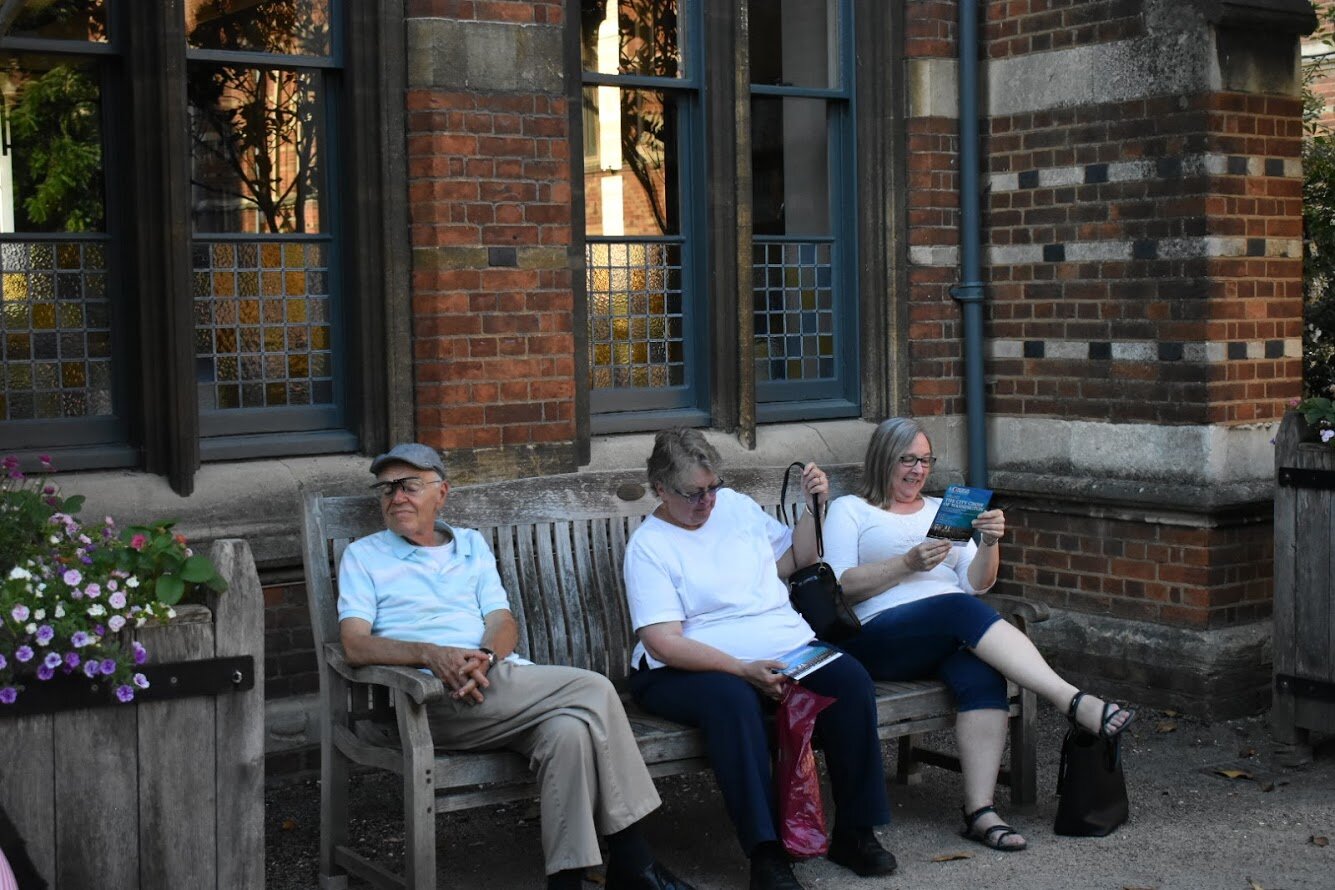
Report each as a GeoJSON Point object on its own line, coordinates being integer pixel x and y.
{"type": "Point", "coordinates": [806, 659]}
{"type": "Point", "coordinates": [960, 506]}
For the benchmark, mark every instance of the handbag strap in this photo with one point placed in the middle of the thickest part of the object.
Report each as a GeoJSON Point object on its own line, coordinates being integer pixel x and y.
{"type": "Point", "coordinates": [815, 513]}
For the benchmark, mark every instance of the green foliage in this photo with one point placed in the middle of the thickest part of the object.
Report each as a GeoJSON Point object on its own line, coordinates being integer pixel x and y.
{"type": "Point", "coordinates": [1318, 231]}
{"type": "Point", "coordinates": [56, 128]}
{"type": "Point", "coordinates": [71, 594]}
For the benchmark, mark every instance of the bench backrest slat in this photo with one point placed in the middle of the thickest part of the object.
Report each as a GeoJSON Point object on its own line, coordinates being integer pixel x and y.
{"type": "Point", "coordinates": [561, 567]}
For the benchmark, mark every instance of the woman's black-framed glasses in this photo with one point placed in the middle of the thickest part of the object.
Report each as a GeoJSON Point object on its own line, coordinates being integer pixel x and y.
{"type": "Point", "coordinates": [908, 460]}
{"type": "Point", "coordinates": [700, 495]}
{"type": "Point", "coordinates": [409, 485]}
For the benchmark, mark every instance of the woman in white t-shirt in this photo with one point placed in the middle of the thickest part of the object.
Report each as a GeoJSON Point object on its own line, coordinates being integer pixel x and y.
{"type": "Point", "coordinates": [921, 618]}
{"type": "Point", "coordinates": [705, 583]}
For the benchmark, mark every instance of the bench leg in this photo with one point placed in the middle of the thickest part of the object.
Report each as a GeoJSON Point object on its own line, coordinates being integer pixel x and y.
{"type": "Point", "coordinates": [419, 795]}
{"type": "Point", "coordinates": [1024, 745]}
{"type": "Point", "coordinates": [333, 784]}
{"type": "Point", "coordinates": [908, 771]}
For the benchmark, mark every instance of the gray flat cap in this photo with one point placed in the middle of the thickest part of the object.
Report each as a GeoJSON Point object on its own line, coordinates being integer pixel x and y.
{"type": "Point", "coordinates": [413, 454]}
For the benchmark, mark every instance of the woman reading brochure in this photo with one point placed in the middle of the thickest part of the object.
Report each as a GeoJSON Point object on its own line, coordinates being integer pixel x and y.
{"type": "Point", "coordinates": [921, 618]}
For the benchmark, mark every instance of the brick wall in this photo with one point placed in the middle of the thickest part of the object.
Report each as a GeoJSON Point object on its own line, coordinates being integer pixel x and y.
{"type": "Point", "coordinates": [289, 646]}
{"type": "Point", "coordinates": [1146, 569]}
{"type": "Point", "coordinates": [1147, 260]}
{"type": "Point", "coordinates": [489, 201]}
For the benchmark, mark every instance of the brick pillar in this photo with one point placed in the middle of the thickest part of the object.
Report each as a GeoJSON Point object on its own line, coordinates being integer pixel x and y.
{"type": "Point", "coordinates": [489, 194]}
{"type": "Point", "coordinates": [1143, 234]}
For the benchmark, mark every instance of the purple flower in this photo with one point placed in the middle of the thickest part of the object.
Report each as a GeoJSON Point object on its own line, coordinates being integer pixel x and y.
{"type": "Point", "coordinates": [44, 634]}
{"type": "Point", "coordinates": [141, 681]}
{"type": "Point", "coordinates": [8, 694]}
{"type": "Point", "coordinates": [46, 460]}
{"type": "Point", "coordinates": [125, 693]}
{"type": "Point", "coordinates": [90, 668]}
{"type": "Point", "coordinates": [140, 653]}
{"type": "Point", "coordinates": [115, 622]}
{"type": "Point", "coordinates": [93, 591]}
{"type": "Point", "coordinates": [117, 600]}
{"type": "Point", "coordinates": [52, 660]}
{"type": "Point", "coordinates": [3, 662]}
{"type": "Point", "coordinates": [1327, 435]}
{"type": "Point", "coordinates": [23, 653]}
{"type": "Point", "coordinates": [72, 577]}
{"type": "Point", "coordinates": [45, 673]}
{"type": "Point", "coordinates": [108, 667]}
{"type": "Point", "coordinates": [20, 612]}
{"type": "Point", "coordinates": [72, 659]}
{"type": "Point", "coordinates": [80, 639]}
{"type": "Point", "coordinates": [99, 630]}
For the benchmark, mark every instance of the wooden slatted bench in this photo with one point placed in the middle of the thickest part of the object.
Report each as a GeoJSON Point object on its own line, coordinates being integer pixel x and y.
{"type": "Point", "coordinates": [559, 543]}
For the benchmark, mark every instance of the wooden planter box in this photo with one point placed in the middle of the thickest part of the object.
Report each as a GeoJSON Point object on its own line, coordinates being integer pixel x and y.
{"type": "Point", "coordinates": [1304, 616]}
{"type": "Point", "coordinates": [160, 793]}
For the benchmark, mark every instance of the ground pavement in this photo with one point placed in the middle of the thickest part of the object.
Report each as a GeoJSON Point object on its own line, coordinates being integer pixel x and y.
{"type": "Point", "coordinates": [1213, 807]}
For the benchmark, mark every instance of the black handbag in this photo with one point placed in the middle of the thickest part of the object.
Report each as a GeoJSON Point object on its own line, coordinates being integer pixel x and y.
{"type": "Point", "coordinates": [1091, 785]}
{"type": "Point", "coordinates": [814, 590]}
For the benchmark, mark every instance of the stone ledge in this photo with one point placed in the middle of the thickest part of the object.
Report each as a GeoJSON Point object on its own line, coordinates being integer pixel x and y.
{"type": "Point", "coordinates": [1210, 674]}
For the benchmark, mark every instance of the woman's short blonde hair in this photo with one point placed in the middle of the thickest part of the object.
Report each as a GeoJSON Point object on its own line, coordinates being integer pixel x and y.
{"type": "Point", "coordinates": [892, 439]}
{"type": "Point", "coordinates": [676, 452]}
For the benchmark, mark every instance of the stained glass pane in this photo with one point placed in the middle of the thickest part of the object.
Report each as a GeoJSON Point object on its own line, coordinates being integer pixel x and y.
{"type": "Point", "coordinates": [631, 345]}
{"type": "Point", "coordinates": [57, 355]}
{"type": "Point", "coordinates": [275, 347]}
{"type": "Point", "coordinates": [793, 296]}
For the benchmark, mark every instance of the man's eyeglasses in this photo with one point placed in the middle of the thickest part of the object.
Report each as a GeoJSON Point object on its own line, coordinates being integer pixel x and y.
{"type": "Point", "coordinates": [697, 497]}
{"type": "Point", "coordinates": [409, 485]}
{"type": "Point", "coordinates": [908, 460]}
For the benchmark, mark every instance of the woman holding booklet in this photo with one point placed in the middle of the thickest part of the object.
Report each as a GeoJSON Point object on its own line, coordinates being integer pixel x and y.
{"type": "Point", "coordinates": [920, 617]}
{"type": "Point", "coordinates": [705, 583]}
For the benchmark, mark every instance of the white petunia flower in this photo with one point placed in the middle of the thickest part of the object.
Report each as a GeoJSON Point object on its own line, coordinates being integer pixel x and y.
{"type": "Point", "coordinates": [97, 610]}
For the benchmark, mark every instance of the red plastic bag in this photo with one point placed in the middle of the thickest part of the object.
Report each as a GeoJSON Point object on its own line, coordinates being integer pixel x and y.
{"type": "Point", "coordinates": [801, 813]}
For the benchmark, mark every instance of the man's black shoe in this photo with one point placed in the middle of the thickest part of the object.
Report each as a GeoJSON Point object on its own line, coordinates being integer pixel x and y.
{"type": "Point", "coordinates": [655, 877]}
{"type": "Point", "coordinates": [860, 851]}
{"type": "Point", "coordinates": [773, 873]}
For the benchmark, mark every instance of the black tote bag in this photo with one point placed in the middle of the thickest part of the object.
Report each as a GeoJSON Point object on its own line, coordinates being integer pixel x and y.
{"type": "Point", "coordinates": [1091, 784]}
{"type": "Point", "coordinates": [814, 590]}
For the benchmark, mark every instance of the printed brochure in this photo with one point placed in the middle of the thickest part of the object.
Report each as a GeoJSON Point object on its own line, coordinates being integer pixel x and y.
{"type": "Point", "coordinates": [960, 506]}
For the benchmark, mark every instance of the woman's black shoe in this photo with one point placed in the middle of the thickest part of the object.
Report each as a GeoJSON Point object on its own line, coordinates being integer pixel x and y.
{"type": "Point", "coordinates": [769, 873]}
{"type": "Point", "coordinates": [861, 852]}
{"type": "Point", "coordinates": [770, 868]}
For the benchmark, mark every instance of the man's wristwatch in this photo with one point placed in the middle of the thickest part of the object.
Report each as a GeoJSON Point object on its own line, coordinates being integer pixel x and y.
{"type": "Point", "coordinates": [491, 655]}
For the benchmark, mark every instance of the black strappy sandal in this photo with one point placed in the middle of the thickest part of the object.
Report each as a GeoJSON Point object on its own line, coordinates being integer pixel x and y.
{"type": "Point", "coordinates": [1110, 710]}
{"type": "Point", "coordinates": [993, 837]}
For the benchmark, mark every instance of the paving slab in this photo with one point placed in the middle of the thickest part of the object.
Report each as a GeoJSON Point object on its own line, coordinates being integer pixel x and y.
{"type": "Point", "coordinates": [1213, 807]}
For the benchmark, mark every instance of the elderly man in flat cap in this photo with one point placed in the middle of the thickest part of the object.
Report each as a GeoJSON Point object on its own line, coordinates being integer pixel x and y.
{"type": "Point", "coordinates": [426, 595]}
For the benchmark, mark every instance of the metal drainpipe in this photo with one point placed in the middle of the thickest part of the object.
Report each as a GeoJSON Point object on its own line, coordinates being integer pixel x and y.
{"type": "Point", "coordinates": [969, 292]}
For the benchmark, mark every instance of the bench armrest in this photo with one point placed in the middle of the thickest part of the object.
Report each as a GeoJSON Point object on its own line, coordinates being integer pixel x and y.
{"type": "Point", "coordinates": [420, 687]}
{"type": "Point", "coordinates": [1020, 610]}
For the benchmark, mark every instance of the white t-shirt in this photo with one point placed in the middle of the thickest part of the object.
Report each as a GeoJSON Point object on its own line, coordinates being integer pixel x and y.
{"type": "Point", "coordinates": [719, 580]}
{"type": "Point", "coordinates": [857, 533]}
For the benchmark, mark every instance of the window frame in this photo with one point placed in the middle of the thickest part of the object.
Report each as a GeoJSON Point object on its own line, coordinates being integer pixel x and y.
{"type": "Point", "coordinates": [147, 155]}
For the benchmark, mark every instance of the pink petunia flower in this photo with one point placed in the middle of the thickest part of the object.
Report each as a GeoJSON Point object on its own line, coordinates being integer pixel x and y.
{"type": "Point", "coordinates": [138, 542]}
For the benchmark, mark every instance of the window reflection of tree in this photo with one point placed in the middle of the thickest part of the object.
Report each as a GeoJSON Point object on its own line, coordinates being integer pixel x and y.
{"type": "Point", "coordinates": [55, 142]}
{"type": "Point", "coordinates": [648, 38]}
{"type": "Point", "coordinates": [254, 129]}
{"type": "Point", "coordinates": [62, 20]}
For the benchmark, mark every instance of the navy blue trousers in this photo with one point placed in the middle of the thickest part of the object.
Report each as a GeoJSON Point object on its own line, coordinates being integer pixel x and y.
{"type": "Point", "coordinates": [731, 714]}
{"type": "Point", "coordinates": [931, 638]}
